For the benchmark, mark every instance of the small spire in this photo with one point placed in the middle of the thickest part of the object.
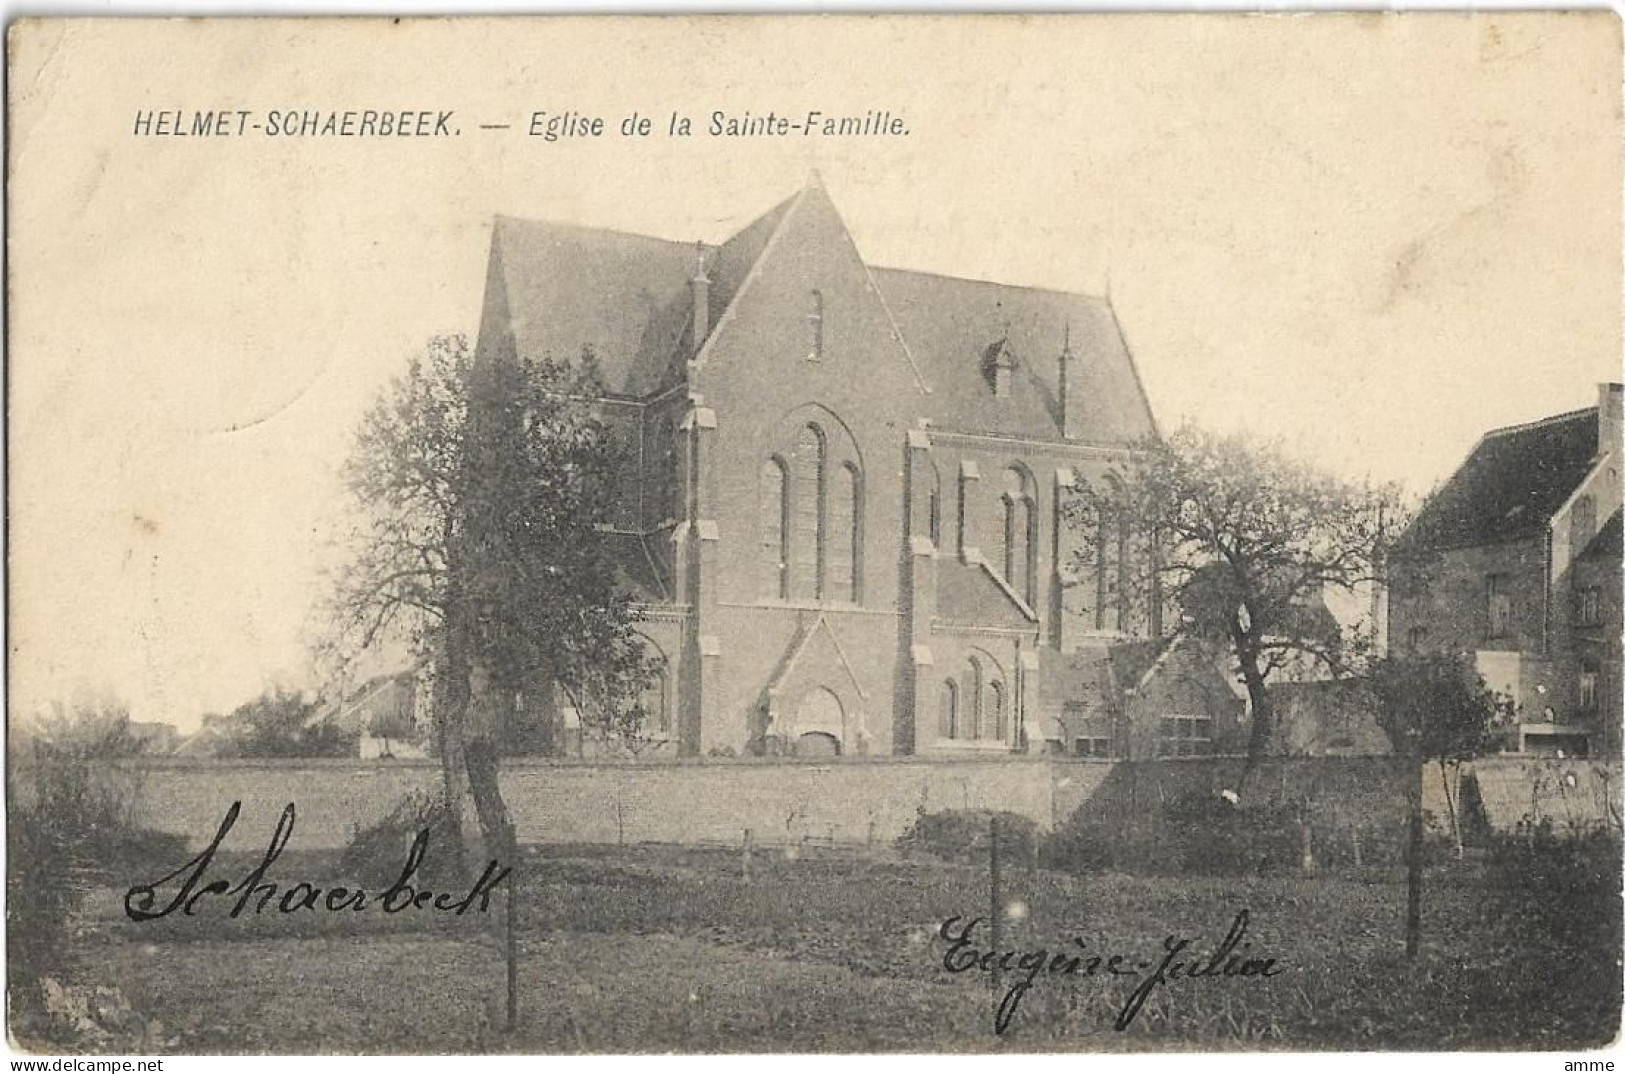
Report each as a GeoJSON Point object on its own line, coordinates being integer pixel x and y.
{"type": "Point", "coordinates": [1066, 339]}
{"type": "Point", "coordinates": [815, 180]}
{"type": "Point", "coordinates": [699, 260]}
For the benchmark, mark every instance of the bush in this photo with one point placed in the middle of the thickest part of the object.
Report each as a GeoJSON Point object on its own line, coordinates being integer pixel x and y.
{"type": "Point", "coordinates": [377, 853]}
{"type": "Point", "coordinates": [963, 835]}
{"type": "Point", "coordinates": [69, 831]}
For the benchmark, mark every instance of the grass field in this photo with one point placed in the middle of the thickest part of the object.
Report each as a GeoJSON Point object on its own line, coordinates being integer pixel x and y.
{"type": "Point", "coordinates": [659, 949]}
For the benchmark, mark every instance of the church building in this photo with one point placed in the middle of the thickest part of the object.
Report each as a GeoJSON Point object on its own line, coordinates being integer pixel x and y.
{"type": "Point", "coordinates": [843, 516]}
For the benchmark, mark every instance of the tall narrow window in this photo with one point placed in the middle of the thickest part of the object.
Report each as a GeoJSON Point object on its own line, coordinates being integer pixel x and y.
{"type": "Point", "coordinates": [845, 519]}
{"type": "Point", "coordinates": [1588, 685]}
{"type": "Point", "coordinates": [671, 499]}
{"type": "Point", "coordinates": [810, 514]}
{"type": "Point", "coordinates": [996, 711]}
{"type": "Point", "coordinates": [1019, 533]}
{"type": "Point", "coordinates": [815, 327]}
{"type": "Point", "coordinates": [774, 517]}
{"type": "Point", "coordinates": [1582, 524]}
{"type": "Point", "coordinates": [948, 719]}
{"type": "Point", "coordinates": [974, 689]}
{"type": "Point", "coordinates": [934, 506]}
{"type": "Point", "coordinates": [1499, 602]}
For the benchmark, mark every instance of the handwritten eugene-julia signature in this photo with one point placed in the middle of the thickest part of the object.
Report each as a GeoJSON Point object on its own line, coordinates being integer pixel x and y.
{"type": "Point", "coordinates": [1227, 960]}
{"type": "Point", "coordinates": [140, 902]}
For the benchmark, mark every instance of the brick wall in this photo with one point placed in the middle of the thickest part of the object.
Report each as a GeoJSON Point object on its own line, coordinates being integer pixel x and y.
{"type": "Point", "coordinates": [714, 801]}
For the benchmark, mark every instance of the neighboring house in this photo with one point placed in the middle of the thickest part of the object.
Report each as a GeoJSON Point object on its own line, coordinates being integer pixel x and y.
{"type": "Point", "coordinates": [157, 739]}
{"type": "Point", "coordinates": [382, 715]}
{"type": "Point", "coordinates": [1526, 576]}
{"type": "Point", "coordinates": [1166, 697]}
{"type": "Point", "coordinates": [1327, 718]}
{"type": "Point", "coordinates": [841, 516]}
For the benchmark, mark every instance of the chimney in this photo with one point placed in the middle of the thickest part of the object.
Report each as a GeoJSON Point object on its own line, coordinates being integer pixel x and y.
{"type": "Point", "coordinates": [1061, 379]}
{"type": "Point", "coordinates": [1610, 424]}
{"type": "Point", "coordinates": [700, 286]}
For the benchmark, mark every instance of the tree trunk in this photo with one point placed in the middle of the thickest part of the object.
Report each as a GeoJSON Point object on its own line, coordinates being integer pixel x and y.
{"type": "Point", "coordinates": [449, 700]}
{"type": "Point", "coordinates": [1413, 867]}
{"type": "Point", "coordinates": [1258, 739]}
{"type": "Point", "coordinates": [489, 711]}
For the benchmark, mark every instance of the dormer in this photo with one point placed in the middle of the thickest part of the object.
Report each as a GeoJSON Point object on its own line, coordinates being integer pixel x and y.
{"type": "Point", "coordinates": [999, 366]}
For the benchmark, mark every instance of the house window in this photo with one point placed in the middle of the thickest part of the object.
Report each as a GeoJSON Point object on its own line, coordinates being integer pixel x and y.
{"type": "Point", "coordinates": [815, 327]}
{"type": "Point", "coordinates": [1185, 736]}
{"type": "Point", "coordinates": [1091, 735]}
{"type": "Point", "coordinates": [809, 513]}
{"type": "Point", "coordinates": [1590, 611]}
{"type": "Point", "coordinates": [1588, 686]}
{"type": "Point", "coordinates": [1416, 638]}
{"type": "Point", "coordinates": [1499, 603]}
{"type": "Point", "coordinates": [948, 720]}
{"type": "Point", "coordinates": [774, 515]}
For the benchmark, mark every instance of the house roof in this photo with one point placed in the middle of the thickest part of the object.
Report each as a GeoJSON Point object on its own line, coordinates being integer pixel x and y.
{"type": "Point", "coordinates": [1513, 482]}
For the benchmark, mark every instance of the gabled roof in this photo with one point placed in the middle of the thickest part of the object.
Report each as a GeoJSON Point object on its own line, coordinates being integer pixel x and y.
{"type": "Point", "coordinates": [1513, 482]}
{"type": "Point", "coordinates": [552, 288]}
{"type": "Point", "coordinates": [559, 286]}
{"type": "Point", "coordinates": [951, 325]}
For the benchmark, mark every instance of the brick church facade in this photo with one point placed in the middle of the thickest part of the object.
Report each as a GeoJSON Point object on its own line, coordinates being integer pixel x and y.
{"type": "Point", "coordinates": [842, 522]}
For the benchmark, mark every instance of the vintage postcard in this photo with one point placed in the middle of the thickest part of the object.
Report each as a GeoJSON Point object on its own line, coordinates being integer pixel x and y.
{"type": "Point", "coordinates": [814, 534]}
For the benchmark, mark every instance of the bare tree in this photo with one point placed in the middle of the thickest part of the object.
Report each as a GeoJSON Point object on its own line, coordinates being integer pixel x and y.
{"type": "Point", "coordinates": [483, 485]}
{"type": "Point", "coordinates": [1240, 541]}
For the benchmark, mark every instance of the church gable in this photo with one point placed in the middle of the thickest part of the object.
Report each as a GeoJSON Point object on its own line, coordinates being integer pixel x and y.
{"type": "Point", "coordinates": [808, 322]}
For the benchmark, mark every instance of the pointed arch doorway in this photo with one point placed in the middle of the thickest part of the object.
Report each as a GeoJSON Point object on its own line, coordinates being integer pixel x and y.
{"type": "Point", "coordinates": [819, 723]}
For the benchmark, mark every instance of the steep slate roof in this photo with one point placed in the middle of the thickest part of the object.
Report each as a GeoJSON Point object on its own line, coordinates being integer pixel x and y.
{"type": "Point", "coordinates": [559, 286]}
{"type": "Point", "coordinates": [949, 325]}
{"type": "Point", "coordinates": [553, 287]}
{"type": "Point", "coordinates": [1511, 484]}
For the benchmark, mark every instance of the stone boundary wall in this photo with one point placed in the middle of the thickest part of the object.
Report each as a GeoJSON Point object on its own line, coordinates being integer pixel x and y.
{"type": "Point", "coordinates": [781, 802]}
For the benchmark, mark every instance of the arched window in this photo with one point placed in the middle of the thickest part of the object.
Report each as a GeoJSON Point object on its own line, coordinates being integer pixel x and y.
{"type": "Point", "coordinates": [655, 708]}
{"type": "Point", "coordinates": [845, 521]}
{"type": "Point", "coordinates": [773, 514]}
{"type": "Point", "coordinates": [671, 503]}
{"type": "Point", "coordinates": [1020, 533]}
{"type": "Point", "coordinates": [1111, 549]}
{"type": "Point", "coordinates": [810, 513]}
{"type": "Point", "coordinates": [948, 718]}
{"type": "Point", "coordinates": [996, 711]}
{"type": "Point", "coordinates": [975, 728]}
{"type": "Point", "coordinates": [815, 327]}
{"type": "Point", "coordinates": [934, 506]}
{"type": "Point", "coordinates": [1582, 524]}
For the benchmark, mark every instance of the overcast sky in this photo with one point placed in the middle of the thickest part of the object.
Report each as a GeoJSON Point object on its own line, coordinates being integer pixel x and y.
{"type": "Point", "coordinates": [1371, 237]}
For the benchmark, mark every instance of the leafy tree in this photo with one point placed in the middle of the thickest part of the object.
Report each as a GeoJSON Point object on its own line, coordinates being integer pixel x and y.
{"type": "Point", "coordinates": [484, 485]}
{"type": "Point", "coordinates": [1434, 708]}
{"type": "Point", "coordinates": [1242, 540]}
{"type": "Point", "coordinates": [278, 724]}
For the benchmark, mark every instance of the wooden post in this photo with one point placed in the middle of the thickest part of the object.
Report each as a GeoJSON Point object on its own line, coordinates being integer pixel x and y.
{"type": "Point", "coordinates": [747, 873]}
{"type": "Point", "coordinates": [1413, 869]}
{"type": "Point", "coordinates": [513, 931]}
{"type": "Point", "coordinates": [993, 889]}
